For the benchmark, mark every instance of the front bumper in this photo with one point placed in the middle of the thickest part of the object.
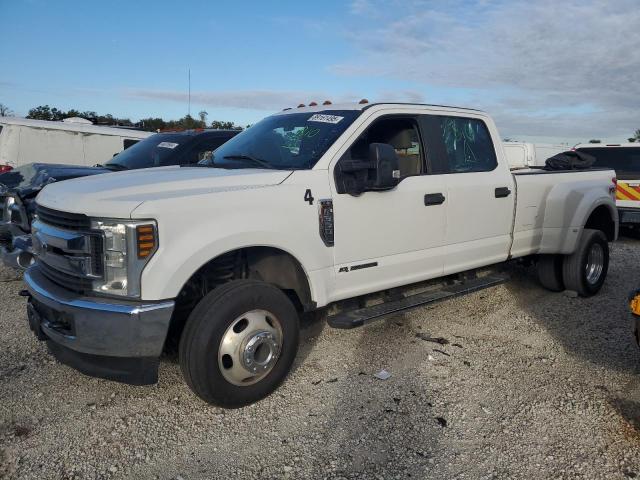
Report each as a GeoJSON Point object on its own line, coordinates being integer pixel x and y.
{"type": "Point", "coordinates": [113, 339]}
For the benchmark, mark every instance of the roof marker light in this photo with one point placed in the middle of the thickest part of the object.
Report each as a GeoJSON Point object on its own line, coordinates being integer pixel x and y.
{"type": "Point", "coordinates": [326, 102]}
{"type": "Point", "coordinates": [313, 104]}
{"type": "Point", "coordinates": [301, 105]}
{"type": "Point", "coordinates": [363, 101]}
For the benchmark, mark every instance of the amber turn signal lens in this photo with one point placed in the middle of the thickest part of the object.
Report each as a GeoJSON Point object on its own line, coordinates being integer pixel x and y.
{"type": "Point", "coordinates": [146, 240]}
{"type": "Point", "coordinates": [635, 305]}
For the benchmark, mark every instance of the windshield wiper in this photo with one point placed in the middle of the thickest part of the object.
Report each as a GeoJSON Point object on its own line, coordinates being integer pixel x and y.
{"type": "Point", "coordinates": [255, 160]}
{"type": "Point", "coordinates": [113, 166]}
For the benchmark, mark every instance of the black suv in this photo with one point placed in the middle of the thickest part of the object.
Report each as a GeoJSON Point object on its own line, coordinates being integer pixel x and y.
{"type": "Point", "coordinates": [19, 187]}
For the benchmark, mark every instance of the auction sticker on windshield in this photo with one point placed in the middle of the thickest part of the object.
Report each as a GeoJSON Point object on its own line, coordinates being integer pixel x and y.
{"type": "Point", "coordinates": [167, 145]}
{"type": "Point", "coordinates": [319, 117]}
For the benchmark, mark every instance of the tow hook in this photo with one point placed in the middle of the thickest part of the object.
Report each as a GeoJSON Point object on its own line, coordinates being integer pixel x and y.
{"type": "Point", "coordinates": [25, 293]}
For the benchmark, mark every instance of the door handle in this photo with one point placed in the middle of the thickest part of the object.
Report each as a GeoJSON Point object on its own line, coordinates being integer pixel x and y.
{"type": "Point", "coordinates": [502, 192]}
{"type": "Point", "coordinates": [433, 199]}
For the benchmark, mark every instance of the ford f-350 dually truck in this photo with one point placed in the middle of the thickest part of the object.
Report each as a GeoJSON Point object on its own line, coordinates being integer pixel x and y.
{"type": "Point", "coordinates": [309, 208]}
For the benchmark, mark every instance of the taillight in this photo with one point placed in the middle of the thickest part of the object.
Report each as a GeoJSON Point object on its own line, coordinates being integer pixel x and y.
{"type": "Point", "coordinates": [5, 168]}
{"type": "Point", "coordinates": [615, 181]}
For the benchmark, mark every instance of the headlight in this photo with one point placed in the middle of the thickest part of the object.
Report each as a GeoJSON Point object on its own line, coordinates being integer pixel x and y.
{"type": "Point", "coordinates": [128, 246]}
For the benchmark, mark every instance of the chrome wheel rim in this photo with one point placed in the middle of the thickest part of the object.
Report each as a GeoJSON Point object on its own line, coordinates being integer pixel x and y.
{"type": "Point", "coordinates": [595, 263]}
{"type": "Point", "coordinates": [250, 347]}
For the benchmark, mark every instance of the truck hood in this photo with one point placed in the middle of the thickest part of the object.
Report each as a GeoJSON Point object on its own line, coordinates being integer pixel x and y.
{"type": "Point", "coordinates": [118, 194]}
{"type": "Point", "coordinates": [27, 180]}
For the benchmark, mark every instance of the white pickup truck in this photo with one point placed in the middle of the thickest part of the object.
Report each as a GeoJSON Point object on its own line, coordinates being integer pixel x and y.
{"type": "Point", "coordinates": [306, 209]}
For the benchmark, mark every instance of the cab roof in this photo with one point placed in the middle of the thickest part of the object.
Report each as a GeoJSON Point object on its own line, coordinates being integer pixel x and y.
{"type": "Point", "coordinates": [365, 106]}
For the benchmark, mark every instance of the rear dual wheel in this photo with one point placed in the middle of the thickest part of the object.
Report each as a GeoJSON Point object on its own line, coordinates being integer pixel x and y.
{"type": "Point", "coordinates": [584, 271]}
{"type": "Point", "coordinates": [239, 343]}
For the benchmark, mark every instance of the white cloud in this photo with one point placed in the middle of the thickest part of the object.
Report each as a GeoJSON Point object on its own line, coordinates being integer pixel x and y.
{"type": "Point", "coordinates": [528, 62]}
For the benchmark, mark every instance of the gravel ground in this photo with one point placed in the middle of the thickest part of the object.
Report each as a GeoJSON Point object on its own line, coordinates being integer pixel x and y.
{"type": "Point", "coordinates": [531, 384]}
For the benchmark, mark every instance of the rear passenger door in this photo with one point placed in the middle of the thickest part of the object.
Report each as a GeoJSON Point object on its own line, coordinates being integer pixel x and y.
{"type": "Point", "coordinates": [480, 193]}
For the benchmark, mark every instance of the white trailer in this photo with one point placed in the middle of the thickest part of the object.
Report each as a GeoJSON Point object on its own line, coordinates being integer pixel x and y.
{"type": "Point", "coordinates": [24, 141]}
{"type": "Point", "coordinates": [525, 154]}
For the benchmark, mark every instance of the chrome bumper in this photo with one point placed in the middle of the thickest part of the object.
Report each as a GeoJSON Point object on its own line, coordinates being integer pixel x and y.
{"type": "Point", "coordinates": [119, 340]}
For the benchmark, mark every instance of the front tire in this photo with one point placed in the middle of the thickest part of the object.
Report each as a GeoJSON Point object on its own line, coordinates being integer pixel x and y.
{"type": "Point", "coordinates": [239, 343]}
{"type": "Point", "coordinates": [585, 270]}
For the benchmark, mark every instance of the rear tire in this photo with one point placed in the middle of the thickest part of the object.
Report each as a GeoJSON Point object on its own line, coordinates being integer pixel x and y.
{"type": "Point", "coordinates": [239, 343]}
{"type": "Point", "coordinates": [550, 272]}
{"type": "Point", "coordinates": [585, 270]}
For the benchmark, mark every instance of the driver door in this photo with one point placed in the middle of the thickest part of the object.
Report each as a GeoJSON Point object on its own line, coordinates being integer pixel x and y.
{"type": "Point", "coordinates": [394, 237]}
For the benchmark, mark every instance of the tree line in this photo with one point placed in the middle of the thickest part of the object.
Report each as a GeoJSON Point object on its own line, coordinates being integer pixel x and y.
{"type": "Point", "coordinates": [151, 124]}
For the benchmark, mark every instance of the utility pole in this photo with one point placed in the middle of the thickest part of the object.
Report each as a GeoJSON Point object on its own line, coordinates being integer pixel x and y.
{"type": "Point", "coordinates": [189, 107]}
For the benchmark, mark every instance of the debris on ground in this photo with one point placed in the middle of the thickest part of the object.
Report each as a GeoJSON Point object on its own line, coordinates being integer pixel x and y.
{"type": "Point", "coordinates": [427, 338]}
{"type": "Point", "coordinates": [382, 375]}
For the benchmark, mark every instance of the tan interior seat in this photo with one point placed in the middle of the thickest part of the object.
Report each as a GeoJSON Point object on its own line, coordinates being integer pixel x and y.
{"type": "Point", "coordinates": [402, 141]}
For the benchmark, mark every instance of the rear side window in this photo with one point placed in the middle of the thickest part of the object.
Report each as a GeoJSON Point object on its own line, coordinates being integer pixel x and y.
{"type": "Point", "coordinates": [458, 145]}
{"type": "Point", "coordinates": [127, 142]}
{"type": "Point", "coordinates": [624, 160]}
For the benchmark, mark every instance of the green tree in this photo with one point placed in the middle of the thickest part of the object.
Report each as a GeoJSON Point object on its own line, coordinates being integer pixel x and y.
{"type": "Point", "coordinates": [45, 112]}
{"type": "Point", "coordinates": [203, 118]}
{"type": "Point", "coordinates": [153, 124]}
{"type": "Point", "coordinates": [222, 125]}
{"type": "Point", "coordinates": [5, 111]}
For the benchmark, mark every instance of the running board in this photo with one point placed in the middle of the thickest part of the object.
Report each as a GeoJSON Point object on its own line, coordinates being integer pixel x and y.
{"type": "Point", "coordinates": [357, 318]}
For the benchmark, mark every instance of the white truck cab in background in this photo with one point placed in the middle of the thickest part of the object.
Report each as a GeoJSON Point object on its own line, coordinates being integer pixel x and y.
{"type": "Point", "coordinates": [307, 210]}
{"type": "Point", "coordinates": [624, 158]}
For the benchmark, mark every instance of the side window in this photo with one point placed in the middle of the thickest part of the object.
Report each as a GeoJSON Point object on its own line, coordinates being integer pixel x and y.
{"type": "Point", "coordinates": [458, 145]}
{"type": "Point", "coordinates": [127, 142]}
{"type": "Point", "coordinates": [401, 134]}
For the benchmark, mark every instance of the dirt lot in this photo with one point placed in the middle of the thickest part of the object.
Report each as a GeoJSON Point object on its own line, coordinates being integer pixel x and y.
{"type": "Point", "coordinates": [530, 385]}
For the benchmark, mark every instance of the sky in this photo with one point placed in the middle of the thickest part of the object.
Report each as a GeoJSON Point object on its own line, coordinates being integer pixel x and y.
{"type": "Point", "coordinates": [547, 71]}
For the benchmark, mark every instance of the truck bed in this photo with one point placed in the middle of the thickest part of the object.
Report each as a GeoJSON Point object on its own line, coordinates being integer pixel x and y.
{"type": "Point", "coordinates": [547, 214]}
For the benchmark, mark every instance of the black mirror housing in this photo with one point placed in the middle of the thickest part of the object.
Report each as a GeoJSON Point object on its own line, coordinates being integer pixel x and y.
{"type": "Point", "coordinates": [378, 172]}
{"type": "Point", "coordinates": [385, 165]}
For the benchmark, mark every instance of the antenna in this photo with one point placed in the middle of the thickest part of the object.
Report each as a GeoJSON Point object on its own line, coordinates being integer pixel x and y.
{"type": "Point", "coordinates": [189, 107]}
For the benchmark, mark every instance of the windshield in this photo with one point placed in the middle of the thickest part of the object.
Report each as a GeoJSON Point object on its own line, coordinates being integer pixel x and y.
{"type": "Point", "coordinates": [289, 141]}
{"type": "Point", "coordinates": [154, 151]}
{"type": "Point", "coordinates": [624, 160]}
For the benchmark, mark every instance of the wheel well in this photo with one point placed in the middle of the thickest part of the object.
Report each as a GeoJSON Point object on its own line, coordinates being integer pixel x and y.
{"type": "Point", "coordinates": [600, 219]}
{"type": "Point", "coordinates": [267, 264]}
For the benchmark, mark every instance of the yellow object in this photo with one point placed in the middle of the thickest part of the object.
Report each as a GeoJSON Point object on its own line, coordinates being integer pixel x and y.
{"type": "Point", "coordinates": [635, 304]}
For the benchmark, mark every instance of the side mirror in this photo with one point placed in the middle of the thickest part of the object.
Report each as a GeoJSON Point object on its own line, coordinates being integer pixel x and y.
{"type": "Point", "coordinates": [384, 162]}
{"type": "Point", "coordinates": [378, 172]}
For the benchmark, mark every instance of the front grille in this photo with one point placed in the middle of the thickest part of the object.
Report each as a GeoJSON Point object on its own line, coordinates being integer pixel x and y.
{"type": "Point", "coordinates": [97, 255]}
{"type": "Point", "coordinates": [70, 282]}
{"type": "Point", "coordinates": [64, 220]}
{"type": "Point", "coordinates": [53, 261]}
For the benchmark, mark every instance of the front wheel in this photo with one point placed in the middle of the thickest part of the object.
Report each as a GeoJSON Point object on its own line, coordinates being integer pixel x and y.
{"type": "Point", "coordinates": [585, 270]}
{"type": "Point", "coordinates": [239, 343]}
